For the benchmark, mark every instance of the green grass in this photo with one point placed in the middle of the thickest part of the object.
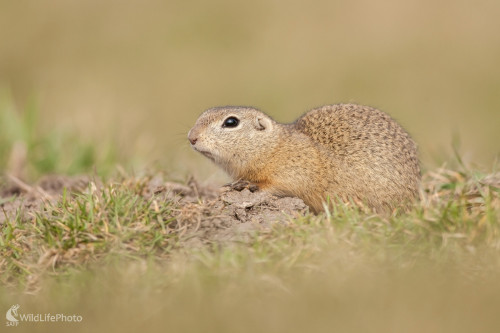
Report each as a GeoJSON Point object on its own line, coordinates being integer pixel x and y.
{"type": "Point", "coordinates": [82, 228]}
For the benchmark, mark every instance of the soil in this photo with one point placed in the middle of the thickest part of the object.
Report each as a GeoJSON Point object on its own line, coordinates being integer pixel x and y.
{"type": "Point", "coordinates": [203, 214]}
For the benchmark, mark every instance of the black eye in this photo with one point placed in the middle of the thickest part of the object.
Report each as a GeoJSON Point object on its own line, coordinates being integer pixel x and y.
{"type": "Point", "coordinates": [231, 122]}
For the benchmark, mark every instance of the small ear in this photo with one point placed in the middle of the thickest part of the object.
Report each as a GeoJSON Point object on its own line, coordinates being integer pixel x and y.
{"type": "Point", "coordinates": [263, 123]}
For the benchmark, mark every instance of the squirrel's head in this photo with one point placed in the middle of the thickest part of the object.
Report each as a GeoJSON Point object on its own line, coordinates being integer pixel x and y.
{"type": "Point", "coordinates": [233, 136]}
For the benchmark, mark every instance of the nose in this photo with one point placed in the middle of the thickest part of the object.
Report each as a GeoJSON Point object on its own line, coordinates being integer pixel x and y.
{"type": "Point", "coordinates": [192, 137]}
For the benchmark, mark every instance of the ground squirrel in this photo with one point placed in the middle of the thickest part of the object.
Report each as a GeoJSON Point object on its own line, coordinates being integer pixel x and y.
{"type": "Point", "coordinates": [344, 152]}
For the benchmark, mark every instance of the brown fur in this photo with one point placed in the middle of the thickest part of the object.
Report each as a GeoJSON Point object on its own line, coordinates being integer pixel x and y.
{"type": "Point", "coordinates": [345, 152]}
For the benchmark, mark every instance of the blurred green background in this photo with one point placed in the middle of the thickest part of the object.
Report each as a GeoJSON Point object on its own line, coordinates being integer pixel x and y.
{"type": "Point", "coordinates": [138, 73]}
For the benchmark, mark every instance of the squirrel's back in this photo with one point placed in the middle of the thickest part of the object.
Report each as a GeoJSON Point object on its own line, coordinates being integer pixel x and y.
{"type": "Point", "coordinates": [373, 158]}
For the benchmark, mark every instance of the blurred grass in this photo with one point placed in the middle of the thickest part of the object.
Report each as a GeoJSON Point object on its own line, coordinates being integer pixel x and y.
{"type": "Point", "coordinates": [27, 151]}
{"type": "Point", "coordinates": [140, 73]}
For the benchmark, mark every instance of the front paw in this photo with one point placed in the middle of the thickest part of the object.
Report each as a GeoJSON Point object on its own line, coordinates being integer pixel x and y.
{"type": "Point", "coordinates": [240, 185]}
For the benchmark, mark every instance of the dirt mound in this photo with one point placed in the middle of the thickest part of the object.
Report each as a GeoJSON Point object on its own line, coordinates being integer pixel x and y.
{"type": "Point", "coordinates": [203, 214]}
{"type": "Point", "coordinates": [211, 214]}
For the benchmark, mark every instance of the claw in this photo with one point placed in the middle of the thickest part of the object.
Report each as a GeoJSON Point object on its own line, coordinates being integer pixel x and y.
{"type": "Point", "coordinates": [240, 185]}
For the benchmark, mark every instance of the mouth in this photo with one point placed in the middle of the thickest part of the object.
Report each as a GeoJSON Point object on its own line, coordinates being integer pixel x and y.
{"type": "Point", "coordinates": [205, 153]}
{"type": "Point", "coordinates": [208, 154]}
